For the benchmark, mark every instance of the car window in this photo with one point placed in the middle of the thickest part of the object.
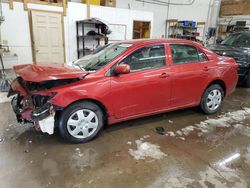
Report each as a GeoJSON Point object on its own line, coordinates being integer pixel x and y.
{"type": "Point", "coordinates": [182, 54]}
{"type": "Point", "coordinates": [146, 58]}
{"type": "Point", "coordinates": [238, 39]}
{"type": "Point", "coordinates": [243, 40]}
{"type": "Point", "coordinates": [101, 57]}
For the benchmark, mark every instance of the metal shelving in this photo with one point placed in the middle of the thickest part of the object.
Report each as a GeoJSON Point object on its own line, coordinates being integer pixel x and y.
{"type": "Point", "coordinates": [83, 38]}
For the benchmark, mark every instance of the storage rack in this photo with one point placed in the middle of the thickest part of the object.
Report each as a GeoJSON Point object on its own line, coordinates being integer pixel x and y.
{"type": "Point", "coordinates": [83, 38]}
{"type": "Point", "coordinates": [179, 31]}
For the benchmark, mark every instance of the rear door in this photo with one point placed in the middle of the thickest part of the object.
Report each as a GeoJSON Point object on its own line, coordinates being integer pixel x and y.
{"type": "Point", "coordinates": [147, 87]}
{"type": "Point", "coordinates": [191, 70]}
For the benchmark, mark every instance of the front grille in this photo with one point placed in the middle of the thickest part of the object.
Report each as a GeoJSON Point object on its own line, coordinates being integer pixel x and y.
{"type": "Point", "coordinates": [39, 100]}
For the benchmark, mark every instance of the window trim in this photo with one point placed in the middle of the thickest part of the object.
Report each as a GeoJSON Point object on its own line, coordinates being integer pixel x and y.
{"type": "Point", "coordinates": [197, 48]}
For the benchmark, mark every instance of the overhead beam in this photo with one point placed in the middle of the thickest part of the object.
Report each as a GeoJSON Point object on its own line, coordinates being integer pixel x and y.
{"type": "Point", "coordinates": [64, 7]}
{"type": "Point", "coordinates": [11, 5]}
{"type": "Point", "coordinates": [88, 8]}
{"type": "Point", "coordinates": [25, 4]}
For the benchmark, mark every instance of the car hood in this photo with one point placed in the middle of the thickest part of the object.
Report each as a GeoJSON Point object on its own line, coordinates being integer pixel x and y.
{"type": "Point", "coordinates": [229, 50]}
{"type": "Point", "coordinates": [40, 73]}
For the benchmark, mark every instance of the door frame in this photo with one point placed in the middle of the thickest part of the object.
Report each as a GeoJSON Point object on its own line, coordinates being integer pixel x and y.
{"type": "Point", "coordinates": [32, 32]}
{"type": "Point", "coordinates": [150, 26]}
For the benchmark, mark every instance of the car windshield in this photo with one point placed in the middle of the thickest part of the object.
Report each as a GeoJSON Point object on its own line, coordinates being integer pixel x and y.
{"type": "Point", "coordinates": [101, 57]}
{"type": "Point", "coordinates": [240, 40]}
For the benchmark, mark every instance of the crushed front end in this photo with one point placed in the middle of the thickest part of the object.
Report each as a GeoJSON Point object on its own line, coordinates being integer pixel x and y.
{"type": "Point", "coordinates": [32, 105]}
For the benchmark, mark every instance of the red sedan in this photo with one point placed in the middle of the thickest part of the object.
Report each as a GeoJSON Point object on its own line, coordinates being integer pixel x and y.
{"type": "Point", "coordinates": [121, 81]}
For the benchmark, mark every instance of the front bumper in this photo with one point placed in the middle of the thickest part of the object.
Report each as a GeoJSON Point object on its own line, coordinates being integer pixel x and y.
{"type": "Point", "coordinates": [32, 107]}
{"type": "Point", "coordinates": [243, 73]}
{"type": "Point", "coordinates": [42, 118]}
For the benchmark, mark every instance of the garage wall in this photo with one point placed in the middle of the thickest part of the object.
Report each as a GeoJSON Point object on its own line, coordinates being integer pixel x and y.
{"type": "Point", "coordinates": [18, 36]}
{"type": "Point", "coordinates": [235, 7]}
{"type": "Point", "coordinates": [15, 32]}
{"type": "Point", "coordinates": [199, 12]}
{"type": "Point", "coordinates": [77, 11]}
{"type": "Point", "coordinates": [231, 20]}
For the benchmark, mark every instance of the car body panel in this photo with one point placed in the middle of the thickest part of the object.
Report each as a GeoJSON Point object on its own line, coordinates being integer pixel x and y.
{"type": "Point", "coordinates": [39, 73]}
{"type": "Point", "coordinates": [239, 53]}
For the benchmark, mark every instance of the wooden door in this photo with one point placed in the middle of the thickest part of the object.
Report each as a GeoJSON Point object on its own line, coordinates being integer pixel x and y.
{"type": "Point", "coordinates": [47, 37]}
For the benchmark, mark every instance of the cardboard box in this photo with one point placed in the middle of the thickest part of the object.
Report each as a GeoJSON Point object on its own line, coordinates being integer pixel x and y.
{"type": "Point", "coordinates": [108, 3]}
{"type": "Point", "coordinates": [92, 2]}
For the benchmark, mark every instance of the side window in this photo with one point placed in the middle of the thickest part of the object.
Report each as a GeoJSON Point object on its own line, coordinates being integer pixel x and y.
{"type": "Point", "coordinates": [146, 58]}
{"type": "Point", "coordinates": [182, 54]}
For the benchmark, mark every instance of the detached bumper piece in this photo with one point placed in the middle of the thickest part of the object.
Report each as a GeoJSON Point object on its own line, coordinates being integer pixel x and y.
{"type": "Point", "coordinates": [47, 125]}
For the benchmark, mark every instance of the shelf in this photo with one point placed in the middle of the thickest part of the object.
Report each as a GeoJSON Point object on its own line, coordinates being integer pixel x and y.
{"type": "Point", "coordinates": [183, 36]}
{"type": "Point", "coordinates": [83, 39]}
{"type": "Point", "coordinates": [184, 27]}
{"type": "Point", "coordinates": [91, 36]}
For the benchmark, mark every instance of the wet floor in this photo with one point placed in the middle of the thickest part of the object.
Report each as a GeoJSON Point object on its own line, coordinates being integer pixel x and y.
{"type": "Point", "coordinates": [195, 150]}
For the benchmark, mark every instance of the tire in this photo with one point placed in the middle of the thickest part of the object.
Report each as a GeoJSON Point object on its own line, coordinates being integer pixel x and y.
{"type": "Point", "coordinates": [81, 122]}
{"type": "Point", "coordinates": [212, 98]}
{"type": "Point", "coordinates": [247, 82]}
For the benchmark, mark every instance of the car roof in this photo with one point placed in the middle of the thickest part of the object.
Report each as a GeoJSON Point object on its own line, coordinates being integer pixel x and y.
{"type": "Point", "coordinates": [156, 41]}
{"type": "Point", "coordinates": [242, 32]}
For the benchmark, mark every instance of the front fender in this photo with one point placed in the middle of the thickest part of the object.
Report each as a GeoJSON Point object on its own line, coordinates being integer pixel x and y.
{"type": "Point", "coordinates": [98, 91]}
{"type": "Point", "coordinates": [66, 98]}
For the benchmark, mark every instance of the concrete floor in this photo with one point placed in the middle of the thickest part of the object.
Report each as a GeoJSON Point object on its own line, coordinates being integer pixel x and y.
{"type": "Point", "coordinates": [214, 156]}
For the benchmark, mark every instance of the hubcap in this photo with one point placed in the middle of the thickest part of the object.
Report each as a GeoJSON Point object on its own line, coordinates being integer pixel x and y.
{"type": "Point", "coordinates": [82, 123]}
{"type": "Point", "coordinates": [214, 99]}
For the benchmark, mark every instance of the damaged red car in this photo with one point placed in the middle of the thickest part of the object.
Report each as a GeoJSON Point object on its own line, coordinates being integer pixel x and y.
{"type": "Point", "coordinates": [121, 81]}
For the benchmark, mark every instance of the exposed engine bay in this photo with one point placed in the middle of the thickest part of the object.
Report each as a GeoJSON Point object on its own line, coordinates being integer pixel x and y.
{"type": "Point", "coordinates": [31, 104]}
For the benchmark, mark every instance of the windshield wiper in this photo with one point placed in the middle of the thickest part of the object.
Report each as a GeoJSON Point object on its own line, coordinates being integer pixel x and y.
{"type": "Point", "coordinates": [79, 67]}
{"type": "Point", "coordinates": [90, 69]}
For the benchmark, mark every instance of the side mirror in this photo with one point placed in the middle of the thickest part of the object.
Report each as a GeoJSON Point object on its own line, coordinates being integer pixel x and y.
{"type": "Point", "coordinates": [122, 69]}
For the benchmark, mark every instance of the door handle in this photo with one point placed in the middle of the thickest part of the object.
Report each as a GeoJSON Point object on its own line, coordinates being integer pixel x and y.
{"type": "Point", "coordinates": [164, 75]}
{"type": "Point", "coordinates": [206, 69]}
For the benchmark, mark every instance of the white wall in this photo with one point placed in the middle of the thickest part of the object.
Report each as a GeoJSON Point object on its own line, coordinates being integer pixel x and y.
{"type": "Point", "coordinates": [16, 33]}
{"type": "Point", "coordinates": [199, 12]}
{"type": "Point", "coordinates": [160, 14]}
{"type": "Point", "coordinates": [77, 11]}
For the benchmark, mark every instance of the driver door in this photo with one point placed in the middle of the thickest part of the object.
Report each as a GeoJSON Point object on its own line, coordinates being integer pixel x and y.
{"type": "Point", "coordinates": [147, 87]}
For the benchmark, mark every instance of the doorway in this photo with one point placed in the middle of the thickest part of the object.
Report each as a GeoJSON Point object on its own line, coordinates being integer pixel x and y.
{"type": "Point", "coordinates": [141, 30]}
{"type": "Point", "coordinates": [47, 37]}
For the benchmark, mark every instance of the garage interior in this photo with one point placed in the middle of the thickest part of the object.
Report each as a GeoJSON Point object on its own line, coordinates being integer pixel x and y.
{"type": "Point", "coordinates": [181, 148]}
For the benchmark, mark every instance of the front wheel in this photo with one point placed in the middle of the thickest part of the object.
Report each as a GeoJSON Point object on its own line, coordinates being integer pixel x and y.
{"type": "Point", "coordinates": [212, 99]}
{"type": "Point", "coordinates": [81, 122]}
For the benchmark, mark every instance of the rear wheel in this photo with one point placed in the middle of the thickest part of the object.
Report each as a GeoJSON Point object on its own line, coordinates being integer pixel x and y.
{"type": "Point", "coordinates": [81, 122]}
{"type": "Point", "coordinates": [212, 99]}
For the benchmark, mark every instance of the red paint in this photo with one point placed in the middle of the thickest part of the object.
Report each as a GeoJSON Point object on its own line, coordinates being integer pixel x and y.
{"type": "Point", "coordinates": [140, 93]}
{"type": "Point", "coordinates": [40, 73]}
